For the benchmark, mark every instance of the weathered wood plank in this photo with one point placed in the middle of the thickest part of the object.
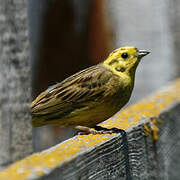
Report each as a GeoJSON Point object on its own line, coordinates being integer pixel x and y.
{"type": "Point", "coordinates": [148, 150]}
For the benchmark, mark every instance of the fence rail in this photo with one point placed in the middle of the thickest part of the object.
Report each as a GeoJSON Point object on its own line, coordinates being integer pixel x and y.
{"type": "Point", "coordinates": [148, 150]}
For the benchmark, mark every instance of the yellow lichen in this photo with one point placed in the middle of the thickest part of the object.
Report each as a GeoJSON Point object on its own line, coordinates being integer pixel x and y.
{"type": "Point", "coordinates": [41, 163]}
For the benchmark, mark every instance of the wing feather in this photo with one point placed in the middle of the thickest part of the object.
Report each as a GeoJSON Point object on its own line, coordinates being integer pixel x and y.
{"type": "Point", "coordinates": [72, 93]}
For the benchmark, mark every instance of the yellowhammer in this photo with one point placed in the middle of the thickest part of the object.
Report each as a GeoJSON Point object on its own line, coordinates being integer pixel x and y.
{"type": "Point", "coordinates": [90, 96]}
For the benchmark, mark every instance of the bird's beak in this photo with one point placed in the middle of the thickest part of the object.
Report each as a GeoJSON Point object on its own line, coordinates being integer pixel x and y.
{"type": "Point", "coordinates": [142, 53]}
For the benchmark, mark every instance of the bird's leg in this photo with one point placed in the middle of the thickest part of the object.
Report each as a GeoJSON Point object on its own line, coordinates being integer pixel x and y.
{"type": "Point", "coordinates": [87, 130]}
{"type": "Point", "coordinates": [97, 130]}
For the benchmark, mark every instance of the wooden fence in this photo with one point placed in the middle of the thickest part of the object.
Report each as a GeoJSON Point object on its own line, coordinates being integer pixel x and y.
{"type": "Point", "coordinates": [149, 148]}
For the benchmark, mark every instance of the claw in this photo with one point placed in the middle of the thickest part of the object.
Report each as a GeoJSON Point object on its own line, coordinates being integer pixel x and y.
{"type": "Point", "coordinates": [98, 130]}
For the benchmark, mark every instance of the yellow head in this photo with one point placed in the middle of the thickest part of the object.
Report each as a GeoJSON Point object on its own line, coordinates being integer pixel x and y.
{"type": "Point", "coordinates": [124, 60]}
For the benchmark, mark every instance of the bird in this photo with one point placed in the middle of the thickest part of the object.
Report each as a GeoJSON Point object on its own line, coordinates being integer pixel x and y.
{"type": "Point", "coordinates": [90, 96]}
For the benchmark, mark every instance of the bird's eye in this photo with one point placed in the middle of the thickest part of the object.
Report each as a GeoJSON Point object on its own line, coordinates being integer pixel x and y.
{"type": "Point", "coordinates": [124, 55]}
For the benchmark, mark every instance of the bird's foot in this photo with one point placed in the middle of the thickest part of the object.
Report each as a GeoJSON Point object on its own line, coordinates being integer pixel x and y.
{"type": "Point", "coordinates": [97, 130]}
{"type": "Point", "coordinates": [86, 130]}
{"type": "Point", "coordinates": [109, 131]}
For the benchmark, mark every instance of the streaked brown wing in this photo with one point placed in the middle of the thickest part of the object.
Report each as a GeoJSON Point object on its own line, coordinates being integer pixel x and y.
{"type": "Point", "coordinates": [74, 92]}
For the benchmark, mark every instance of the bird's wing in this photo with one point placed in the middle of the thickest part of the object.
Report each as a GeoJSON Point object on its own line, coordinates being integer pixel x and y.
{"type": "Point", "coordinates": [77, 91]}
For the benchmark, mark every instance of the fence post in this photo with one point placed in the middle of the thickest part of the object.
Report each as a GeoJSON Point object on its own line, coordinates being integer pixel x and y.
{"type": "Point", "coordinates": [15, 127]}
